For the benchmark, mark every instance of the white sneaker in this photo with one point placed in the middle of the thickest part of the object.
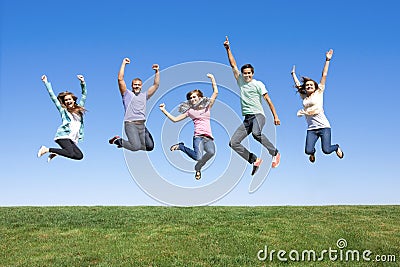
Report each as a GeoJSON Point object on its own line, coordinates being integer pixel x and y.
{"type": "Point", "coordinates": [42, 151]}
{"type": "Point", "coordinates": [51, 156]}
{"type": "Point", "coordinates": [339, 153]}
{"type": "Point", "coordinates": [276, 160]}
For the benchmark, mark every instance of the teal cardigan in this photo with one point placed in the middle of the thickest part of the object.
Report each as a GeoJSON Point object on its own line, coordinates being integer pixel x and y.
{"type": "Point", "coordinates": [64, 128]}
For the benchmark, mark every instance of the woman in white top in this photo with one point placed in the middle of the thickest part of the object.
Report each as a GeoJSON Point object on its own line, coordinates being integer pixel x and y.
{"type": "Point", "coordinates": [312, 95]}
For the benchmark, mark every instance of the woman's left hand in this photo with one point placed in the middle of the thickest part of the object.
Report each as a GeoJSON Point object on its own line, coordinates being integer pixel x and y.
{"type": "Point", "coordinates": [81, 78]}
{"type": "Point", "coordinates": [329, 54]}
{"type": "Point", "coordinates": [209, 75]}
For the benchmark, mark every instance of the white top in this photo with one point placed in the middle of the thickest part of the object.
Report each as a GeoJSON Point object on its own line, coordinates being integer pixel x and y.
{"type": "Point", "coordinates": [313, 110]}
{"type": "Point", "coordinates": [74, 126]}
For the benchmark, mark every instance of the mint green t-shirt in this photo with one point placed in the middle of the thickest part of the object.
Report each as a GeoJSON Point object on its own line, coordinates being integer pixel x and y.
{"type": "Point", "coordinates": [251, 95]}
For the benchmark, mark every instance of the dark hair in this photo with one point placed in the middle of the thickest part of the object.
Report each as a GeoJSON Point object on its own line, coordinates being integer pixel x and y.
{"type": "Point", "coordinates": [246, 66]}
{"type": "Point", "coordinates": [302, 88]}
{"type": "Point", "coordinates": [197, 91]}
{"type": "Point", "coordinates": [76, 108]}
{"type": "Point", "coordinates": [137, 79]}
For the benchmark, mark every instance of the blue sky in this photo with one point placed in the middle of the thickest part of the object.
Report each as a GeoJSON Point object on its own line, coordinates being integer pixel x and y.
{"type": "Point", "coordinates": [92, 37]}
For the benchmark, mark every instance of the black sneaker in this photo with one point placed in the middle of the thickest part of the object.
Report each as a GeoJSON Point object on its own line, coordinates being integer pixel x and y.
{"type": "Point", "coordinates": [112, 140]}
{"type": "Point", "coordinates": [256, 165]}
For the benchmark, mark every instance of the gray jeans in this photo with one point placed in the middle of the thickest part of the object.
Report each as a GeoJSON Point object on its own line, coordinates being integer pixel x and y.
{"type": "Point", "coordinates": [139, 138]}
{"type": "Point", "coordinates": [252, 124]}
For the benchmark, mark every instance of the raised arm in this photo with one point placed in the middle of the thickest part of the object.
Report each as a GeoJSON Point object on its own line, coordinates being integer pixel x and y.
{"type": "Point", "coordinates": [121, 73]}
{"type": "Point", "coordinates": [169, 116]}
{"type": "Point", "coordinates": [51, 93]}
{"type": "Point", "coordinates": [156, 82]}
{"type": "Point", "coordinates": [84, 92]}
{"type": "Point", "coordinates": [328, 58]}
{"type": "Point", "coordinates": [215, 89]}
{"type": "Point", "coordinates": [272, 108]}
{"type": "Point", "coordinates": [295, 79]}
{"type": "Point", "coordinates": [232, 60]}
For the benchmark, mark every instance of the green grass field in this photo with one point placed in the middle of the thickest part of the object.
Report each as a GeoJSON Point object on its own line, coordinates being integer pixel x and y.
{"type": "Point", "coordinates": [198, 236]}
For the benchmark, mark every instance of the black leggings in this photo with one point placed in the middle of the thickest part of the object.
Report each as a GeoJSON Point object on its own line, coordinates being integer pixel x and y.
{"type": "Point", "coordinates": [68, 149]}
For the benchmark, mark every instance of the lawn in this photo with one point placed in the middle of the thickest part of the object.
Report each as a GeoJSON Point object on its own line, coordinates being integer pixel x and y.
{"type": "Point", "coordinates": [200, 236]}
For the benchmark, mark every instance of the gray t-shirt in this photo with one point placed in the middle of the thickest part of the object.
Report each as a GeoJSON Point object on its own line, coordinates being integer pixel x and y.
{"type": "Point", "coordinates": [135, 106]}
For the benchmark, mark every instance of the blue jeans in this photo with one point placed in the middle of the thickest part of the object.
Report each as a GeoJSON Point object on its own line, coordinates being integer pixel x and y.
{"type": "Point", "coordinates": [200, 144]}
{"type": "Point", "coordinates": [139, 138]}
{"type": "Point", "coordinates": [252, 124]}
{"type": "Point", "coordinates": [325, 135]}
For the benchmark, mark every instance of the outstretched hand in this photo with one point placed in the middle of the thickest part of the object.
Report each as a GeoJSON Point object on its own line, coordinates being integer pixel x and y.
{"type": "Point", "coordinates": [81, 78]}
{"type": "Point", "coordinates": [329, 54]}
{"type": "Point", "coordinates": [162, 107]}
{"type": "Point", "coordinates": [126, 60]}
{"type": "Point", "coordinates": [226, 43]}
{"type": "Point", "coordinates": [293, 69]}
{"type": "Point", "coordinates": [155, 67]}
{"type": "Point", "coordinates": [44, 78]}
{"type": "Point", "coordinates": [209, 75]}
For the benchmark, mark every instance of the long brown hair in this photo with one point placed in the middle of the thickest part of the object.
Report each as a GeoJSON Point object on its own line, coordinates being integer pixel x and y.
{"type": "Point", "coordinates": [76, 108]}
{"type": "Point", "coordinates": [302, 88]}
{"type": "Point", "coordinates": [197, 91]}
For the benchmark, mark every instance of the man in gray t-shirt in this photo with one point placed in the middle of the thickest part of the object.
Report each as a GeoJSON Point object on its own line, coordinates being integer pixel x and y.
{"type": "Point", "coordinates": [251, 94]}
{"type": "Point", "coordinates": [139, 138]}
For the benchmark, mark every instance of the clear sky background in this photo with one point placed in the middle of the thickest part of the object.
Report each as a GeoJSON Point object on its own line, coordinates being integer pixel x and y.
{"type": "Point", "coordinates": [63, 39]}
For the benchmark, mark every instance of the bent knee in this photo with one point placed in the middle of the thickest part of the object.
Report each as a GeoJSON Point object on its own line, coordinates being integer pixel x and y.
{"type": "Point", "coordinates": [325, 151]}
{"type": "Point", "coordinates": [78, 157]}
{"type": "Point", "coordinates": [198, 156]}
{"type": "Point", "coordinates": [135, 147]}
{"type": "Point", "coordinates": [233, 144]}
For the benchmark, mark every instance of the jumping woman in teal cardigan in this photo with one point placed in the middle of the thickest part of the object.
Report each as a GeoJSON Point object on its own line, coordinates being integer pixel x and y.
{"type": "Point", "coordinates": [71, 129]}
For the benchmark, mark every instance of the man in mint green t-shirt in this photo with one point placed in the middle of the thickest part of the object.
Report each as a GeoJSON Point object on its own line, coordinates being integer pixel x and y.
{"type": "Point", "coordinates": [251, 94]}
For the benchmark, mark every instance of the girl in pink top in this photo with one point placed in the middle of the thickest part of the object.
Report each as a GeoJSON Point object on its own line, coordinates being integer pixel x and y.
{"type": "Point", "coordinates": [198, 109]}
